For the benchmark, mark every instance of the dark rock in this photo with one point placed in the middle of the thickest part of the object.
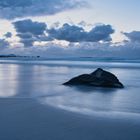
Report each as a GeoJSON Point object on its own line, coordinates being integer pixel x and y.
{"type": "Point", "coordinates": [99, 78]}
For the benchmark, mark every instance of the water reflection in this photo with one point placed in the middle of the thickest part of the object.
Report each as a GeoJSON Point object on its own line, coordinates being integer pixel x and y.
{"type": "Point", "coordinates": [44, 84]}
{"type": "Point", "coordinates": [30, 80]}
{"type": "Point", "coordinates": [25, 84]}
{"type": "Point", "coordinates": [8, 80]}
{"type": "Point", "coordinates": [90, 89]}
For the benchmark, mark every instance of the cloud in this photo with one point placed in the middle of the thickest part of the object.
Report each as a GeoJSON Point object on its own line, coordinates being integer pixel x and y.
{"type": "Point", "coordinates": [29, 31]}
{"type": "Point", "coordinates": [8, 35]}
{"type": "Point", "coordinates": [3, 44]}
{"type": "Point", "coordinates": [28, 26]}
{"type": "Point", "coordinates": [82, 23]}
{"type": "Point", "coordinates": [74, 33]}
{"type": "Point", "coordinates": [100, 33]}
{"type": "Point", "coordinates": [10, 9]}
{"type": "Point", "coordinates": [78, 42]}
{"type": "Point", "coordinates": [67, 32]}
{"type": "Point", "coordinates": [133, 36]}
{"type": "Point", "coordinates": [28, 42]}
{"type": "Point", "coordinates": [95, 50]}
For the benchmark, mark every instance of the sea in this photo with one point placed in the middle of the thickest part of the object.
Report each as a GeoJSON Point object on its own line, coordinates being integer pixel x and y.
{"type": "Point", "coordinates": [42, 80]}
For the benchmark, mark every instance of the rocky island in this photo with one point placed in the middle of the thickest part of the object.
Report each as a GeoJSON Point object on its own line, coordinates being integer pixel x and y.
{"type": "Point", "coordinates": [98, 78]}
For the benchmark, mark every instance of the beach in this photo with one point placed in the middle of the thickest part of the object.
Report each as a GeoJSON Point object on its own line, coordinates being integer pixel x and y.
{"type": "Point", "coordinates": [35, 105]}
{"type": "Point", "coordinates": [22, 119]}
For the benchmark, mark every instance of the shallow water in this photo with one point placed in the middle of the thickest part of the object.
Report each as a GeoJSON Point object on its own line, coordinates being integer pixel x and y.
{"type": "Point", "coordinates": [43, 82]}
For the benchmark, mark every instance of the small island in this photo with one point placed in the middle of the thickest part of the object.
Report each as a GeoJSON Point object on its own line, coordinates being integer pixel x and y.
{"type": "Point", "coordinates": [99, 78]}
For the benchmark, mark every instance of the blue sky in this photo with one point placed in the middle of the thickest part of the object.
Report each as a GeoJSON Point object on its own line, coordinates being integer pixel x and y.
{"type": "Point", "coordinates": [124, 14]}
{"type": "Point", "coordinates": [29, 23]}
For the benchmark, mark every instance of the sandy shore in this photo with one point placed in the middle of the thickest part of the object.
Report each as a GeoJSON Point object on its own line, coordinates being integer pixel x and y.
{"type": "Point", "coordinates": [26, 119]}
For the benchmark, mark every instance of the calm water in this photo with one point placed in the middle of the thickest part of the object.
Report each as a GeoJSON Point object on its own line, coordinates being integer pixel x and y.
{"type": "Point", "coordinates": [42, 81]}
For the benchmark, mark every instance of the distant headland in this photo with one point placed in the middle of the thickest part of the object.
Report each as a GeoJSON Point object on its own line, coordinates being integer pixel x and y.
{"type": "Point", "coordinates": [17, 56]}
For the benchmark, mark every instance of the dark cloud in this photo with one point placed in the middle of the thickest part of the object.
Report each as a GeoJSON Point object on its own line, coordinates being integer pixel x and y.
{"type": "Point", "coordinates": [28, 42]}
{"type": "Point", "coordinates": [26, 38]}
{"type": "Point", "coordinates": [73, 33]}
{"type": "Point", "coordinates": [25, 35]}
{"type": "Point", "coordinates": [28, 26]}
{"type": "Point", "coordinates": [100, 33]}
{"type": "Point", "coordinates": [67, 32]}
{"type": "Point", "coordinates": [10, 9]}
{"type": "Point", "coordinates": [29, 31]}
{"type": "Point", "coordinates": [3, 43]}
{"type": "Point", "coordinates": [8, 35]}
{"type": "Point", "coordinates": [133, 36]}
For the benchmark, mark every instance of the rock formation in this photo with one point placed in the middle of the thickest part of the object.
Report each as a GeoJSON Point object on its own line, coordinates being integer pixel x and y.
{"type": "Point", "coordinates": [99, 78]}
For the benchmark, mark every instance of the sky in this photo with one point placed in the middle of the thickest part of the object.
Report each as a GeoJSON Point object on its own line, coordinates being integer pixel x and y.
{"type": "Point", "coordinates": [56, 28]}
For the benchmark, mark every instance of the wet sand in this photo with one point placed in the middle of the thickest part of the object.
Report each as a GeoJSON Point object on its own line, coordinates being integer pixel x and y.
{"type": "Point", "coordinates": [27, 119]}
